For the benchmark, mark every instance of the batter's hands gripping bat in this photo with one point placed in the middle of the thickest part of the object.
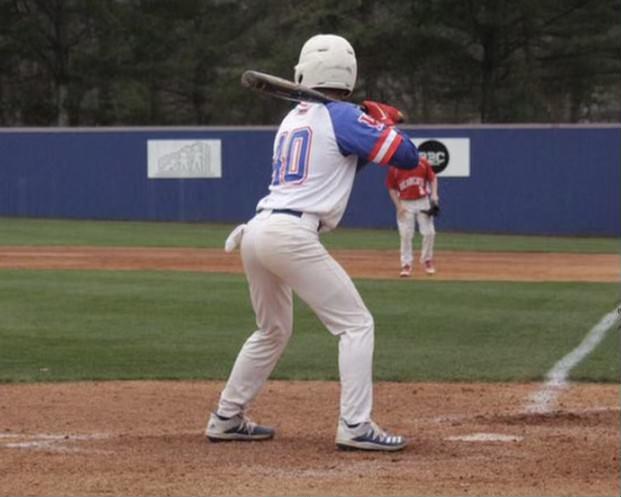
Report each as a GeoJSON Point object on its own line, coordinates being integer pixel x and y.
{"type": "Point", "coordinates": [288, 90]}
{"type": "Point", "coordinates": [384, 113]}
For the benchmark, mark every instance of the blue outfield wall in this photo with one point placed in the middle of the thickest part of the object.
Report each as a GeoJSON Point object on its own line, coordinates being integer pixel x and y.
{"type": "Point", "coordinates": [561, 180]}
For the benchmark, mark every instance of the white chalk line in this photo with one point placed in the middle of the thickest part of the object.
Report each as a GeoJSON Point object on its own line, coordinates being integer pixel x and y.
{"type": "Point", "coordinates": [48, 441]}
{"type": "Point", "coordinates": [544, 399]}
{"type": "Point", "coordinates": [485, 437]}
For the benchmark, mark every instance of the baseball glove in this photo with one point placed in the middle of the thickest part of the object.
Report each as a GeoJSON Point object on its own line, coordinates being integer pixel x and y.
{"type": "Point", "coordinates": [434, 210]}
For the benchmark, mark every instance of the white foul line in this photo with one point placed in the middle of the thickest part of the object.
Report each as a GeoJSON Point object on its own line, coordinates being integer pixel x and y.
{"type": "Point", "coordinates": [543, 399]}
{"type": "Point", "coordinates": [48, 441]}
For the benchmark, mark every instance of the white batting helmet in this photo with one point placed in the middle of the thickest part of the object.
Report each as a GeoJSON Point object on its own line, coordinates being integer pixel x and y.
{"type": "Point", "coordinates": [327, 61]}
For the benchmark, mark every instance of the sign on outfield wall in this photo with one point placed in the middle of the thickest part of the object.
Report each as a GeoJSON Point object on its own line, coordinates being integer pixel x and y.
{"type": "Point", "coordinates": [448, 156]}
{"type": "Point", "coordinates": [184, 158]}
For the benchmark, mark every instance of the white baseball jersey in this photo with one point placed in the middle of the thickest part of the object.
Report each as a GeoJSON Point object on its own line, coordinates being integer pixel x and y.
{"type": "Point", "coordinates": [317, 151]}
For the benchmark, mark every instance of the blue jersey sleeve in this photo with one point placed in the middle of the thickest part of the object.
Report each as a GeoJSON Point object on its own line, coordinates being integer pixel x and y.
{"type": "Point", "coordinates": [361, 135]}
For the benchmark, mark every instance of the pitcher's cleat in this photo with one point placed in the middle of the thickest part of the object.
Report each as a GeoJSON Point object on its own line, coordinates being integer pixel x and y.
{"type": "Point", "coordinates": [238, 428]}
{"type": "Point", "coordinates": [406, 271]}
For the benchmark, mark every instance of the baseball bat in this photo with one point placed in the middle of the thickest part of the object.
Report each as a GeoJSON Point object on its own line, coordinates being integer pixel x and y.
{"type": "Point", "coordinates": [288, 90]}
{"type": "Point", "coordinates": [282, 88]}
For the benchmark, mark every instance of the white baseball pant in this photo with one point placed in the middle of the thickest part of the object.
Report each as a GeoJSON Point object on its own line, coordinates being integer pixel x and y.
{"type": "Point", "coordinates": [280, 253]}
{"type": "Point", "coordinates": [407, 229]}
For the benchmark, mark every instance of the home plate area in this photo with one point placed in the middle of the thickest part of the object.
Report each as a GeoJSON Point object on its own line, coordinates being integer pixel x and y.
{"type": "Point", "coordinates": [146, 438]}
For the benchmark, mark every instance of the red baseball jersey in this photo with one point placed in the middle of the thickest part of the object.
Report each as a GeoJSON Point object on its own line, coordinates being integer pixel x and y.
{"type": "Point", "coordinates": [411, 184]}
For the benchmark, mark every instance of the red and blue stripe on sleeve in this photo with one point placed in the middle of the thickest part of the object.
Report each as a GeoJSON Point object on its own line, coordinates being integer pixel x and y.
{"type": "Point", "coordinates": [357, 133]}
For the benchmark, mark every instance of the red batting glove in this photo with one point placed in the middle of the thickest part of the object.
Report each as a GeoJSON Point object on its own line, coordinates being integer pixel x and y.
{"type": "Point", "coordinates": [384, 113]}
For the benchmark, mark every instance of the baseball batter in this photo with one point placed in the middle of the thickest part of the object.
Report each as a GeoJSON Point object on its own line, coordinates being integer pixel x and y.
{"type": "Point", "coordinates": [317, 150]}
{"type": "Point", "coordinates": [413, 192]}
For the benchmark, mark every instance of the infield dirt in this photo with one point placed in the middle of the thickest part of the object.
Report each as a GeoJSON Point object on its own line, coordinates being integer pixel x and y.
{"type": "Point", "coordinates": [506, 266]}
{"type": "Point", "coordinates": [145, 438]}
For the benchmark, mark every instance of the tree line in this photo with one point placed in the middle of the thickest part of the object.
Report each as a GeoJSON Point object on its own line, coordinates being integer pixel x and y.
{"type": "Point", "coordinates": [166, 62]}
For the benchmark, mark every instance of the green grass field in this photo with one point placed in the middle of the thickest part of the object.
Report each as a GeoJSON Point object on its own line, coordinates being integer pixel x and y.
{"type": "Point", "coordinates": [19, 231]}
{"type": "Point", "coordinates": [82, 325]}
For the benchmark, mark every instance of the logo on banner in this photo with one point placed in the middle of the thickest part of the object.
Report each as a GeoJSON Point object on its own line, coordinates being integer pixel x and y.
{"type": "Point", "coordinates": [436, 154]}
{"type": "Point", "coordinates": [449, 157]}
{"type": "Point", "coordinates": [184, 159]}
